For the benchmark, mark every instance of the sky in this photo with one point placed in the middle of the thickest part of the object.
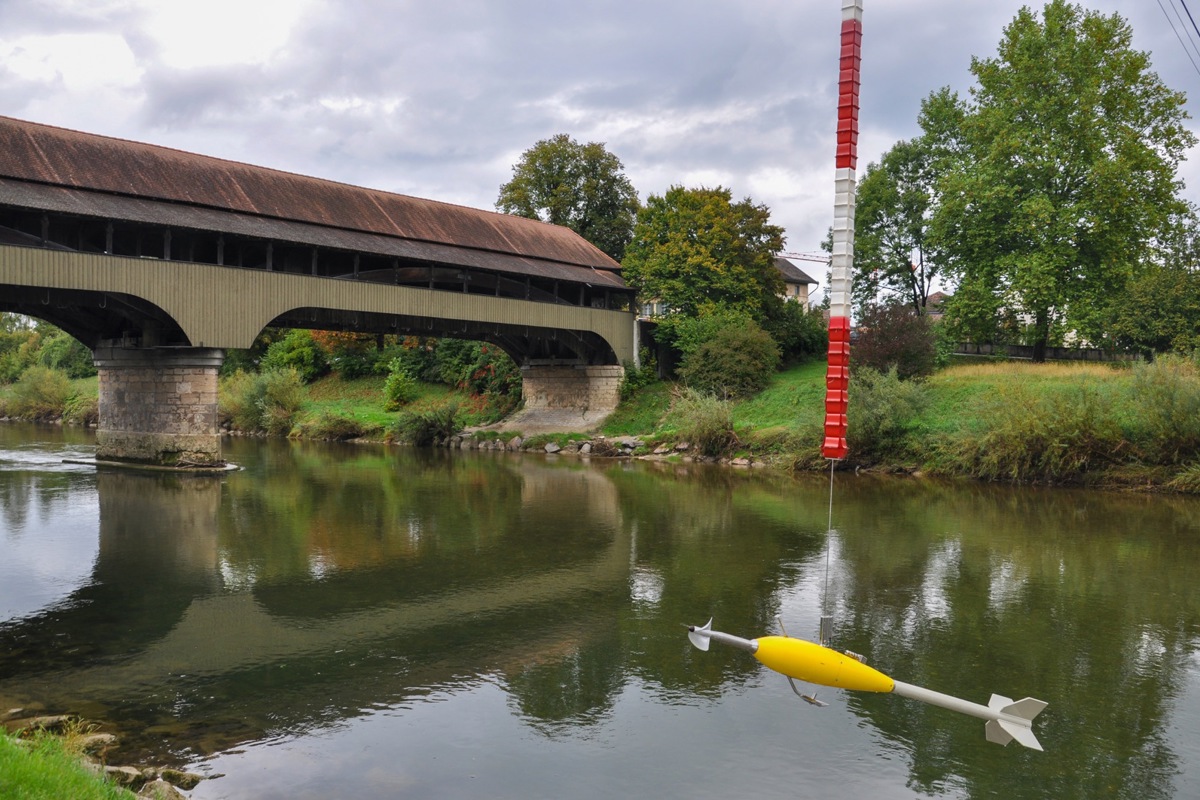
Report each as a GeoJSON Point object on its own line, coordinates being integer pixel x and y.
{"type": "Point", "coordinates": [440, 99]}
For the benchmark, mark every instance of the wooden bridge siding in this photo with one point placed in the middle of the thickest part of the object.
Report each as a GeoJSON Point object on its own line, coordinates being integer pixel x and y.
{"type": "Point", "coordinates": [227, 307]}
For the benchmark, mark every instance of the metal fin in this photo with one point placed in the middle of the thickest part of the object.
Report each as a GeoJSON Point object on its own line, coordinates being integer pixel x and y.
{"type": "Point", "coordinates": [698, 639]}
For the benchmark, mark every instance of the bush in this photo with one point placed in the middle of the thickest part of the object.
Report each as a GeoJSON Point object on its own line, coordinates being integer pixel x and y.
{"type": "Point", "coordinates": [884, 413]}
{"type": "Point", "coordinates": [893, 335]}
{"type": "Point", "coordinates": [400, 388]}
{"type": "Point", "coordinates": [801, 335]}
{"type": "Point", "coordinates": [704, 421]}
{"type": "Point", "coordinates": [332, 426]}
{"type": "Point", "coordinates": [82, 410]}
{"type": "Point", "coordinates": [430, 427]}
{"type": "Point", "coordinates": [1165, 409]}
{"type": "Point", "coordinates": [737, 361]}
{"type": "Point", "coordinates": [299, 351]}
{"type": "Point", "coordinates": [636, 378]}
{"type": "Point", "coordinates": [64, 352]}
{"type": "Point", "coordinates": [1050, 436]}
{"type": "Point", "coordinates": [40, 394]}
{"type": "Point", "coordinates": [267, 403]}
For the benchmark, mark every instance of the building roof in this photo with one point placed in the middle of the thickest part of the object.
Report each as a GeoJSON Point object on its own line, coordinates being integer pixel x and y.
{"type": "Point", "coordinates": [791, 273]}
{"type": "Point", "coordinates": [68, 170]}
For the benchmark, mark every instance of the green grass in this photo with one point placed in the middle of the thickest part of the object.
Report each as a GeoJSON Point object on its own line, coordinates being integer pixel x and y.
{"type": "Point", "coordinates": [794, 399]}
{"type": "Point", "coordinates": [44, 770]}
{"type": "Point", "coordinates": [642, 413]}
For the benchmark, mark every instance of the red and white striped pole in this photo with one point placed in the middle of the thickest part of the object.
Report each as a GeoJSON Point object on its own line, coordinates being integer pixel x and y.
{"type": "Point", "coordinates": [837, 375]}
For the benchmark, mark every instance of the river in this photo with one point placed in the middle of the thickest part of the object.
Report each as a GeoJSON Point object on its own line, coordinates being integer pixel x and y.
{"type": "Point", "coordinates": [370, 621]}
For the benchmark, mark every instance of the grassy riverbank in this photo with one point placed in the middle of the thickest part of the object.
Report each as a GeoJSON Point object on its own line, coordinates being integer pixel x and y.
{"type": "Point", "coordinates": [1090, 424]}
{"type": "Point", "coordinates": [43, 768]}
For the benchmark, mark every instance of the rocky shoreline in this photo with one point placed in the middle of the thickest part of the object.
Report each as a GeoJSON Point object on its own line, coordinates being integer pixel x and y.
{"type": "Point", "coordinates": [94, 746]}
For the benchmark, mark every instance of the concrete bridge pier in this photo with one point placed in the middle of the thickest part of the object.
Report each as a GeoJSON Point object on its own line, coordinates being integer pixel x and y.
{"type": "Point", "coordinates": [566, 398]}
{"type": "Point", "coordinates": [158, 406]}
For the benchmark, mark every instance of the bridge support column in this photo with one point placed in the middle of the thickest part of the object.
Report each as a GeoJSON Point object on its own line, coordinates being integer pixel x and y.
{"type": "Point", "coordinates": [159, 406]}
{"type": "Point", "coordinates": [568, 398]}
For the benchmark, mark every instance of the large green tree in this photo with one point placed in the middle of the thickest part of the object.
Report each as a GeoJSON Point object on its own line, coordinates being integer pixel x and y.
{"type": "Point", "coordinates": [696, 250]}
{"type": "Point", "coordinates": [580, 186]}
{"type": "Point", "coordinates": [1066, 173]}
{"type": "Point", "coordinates": [893, 204]}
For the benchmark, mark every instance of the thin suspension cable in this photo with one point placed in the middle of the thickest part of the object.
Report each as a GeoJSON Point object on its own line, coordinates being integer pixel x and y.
{"type": "Point", "coordinates": [1175, 30]}
{"type": "Point", "coordinates": [823, 634]}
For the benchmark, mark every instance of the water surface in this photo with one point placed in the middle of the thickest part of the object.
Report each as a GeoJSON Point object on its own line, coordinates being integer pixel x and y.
{"type": "Point", "coordinates": [370, 621]}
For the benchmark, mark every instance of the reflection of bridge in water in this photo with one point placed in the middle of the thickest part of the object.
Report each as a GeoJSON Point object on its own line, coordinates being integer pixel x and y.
{"type": "Point", "coordinates": [161, 637]}
{"type": "Point", "coordinates": [159, 260]}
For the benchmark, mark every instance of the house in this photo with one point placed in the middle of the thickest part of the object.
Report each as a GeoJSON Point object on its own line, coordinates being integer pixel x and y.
{"type": "Point", "coordinates": [796, 281]}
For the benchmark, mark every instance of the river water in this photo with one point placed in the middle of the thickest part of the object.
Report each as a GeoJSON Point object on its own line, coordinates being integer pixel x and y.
{"type": "Point", "coordinates": [365, 621]}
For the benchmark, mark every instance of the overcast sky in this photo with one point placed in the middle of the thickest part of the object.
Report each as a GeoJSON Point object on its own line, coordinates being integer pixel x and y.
{"type": "Point", "coordinates": [439, 99]}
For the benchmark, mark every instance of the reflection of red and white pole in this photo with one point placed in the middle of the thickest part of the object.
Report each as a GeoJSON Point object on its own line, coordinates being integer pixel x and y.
{"type": "Point", "coordinates": [837, 376]}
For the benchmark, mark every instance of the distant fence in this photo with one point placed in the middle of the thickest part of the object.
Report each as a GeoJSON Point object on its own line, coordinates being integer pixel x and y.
{"type": "Point", "coordinates": [1052, 353]}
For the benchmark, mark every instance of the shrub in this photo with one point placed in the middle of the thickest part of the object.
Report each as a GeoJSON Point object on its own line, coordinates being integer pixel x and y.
{"type": "Point", "coordinates": [299, 351]}
{"type": "Point", "coordinates": [268, 402]}
{"type": "Point", "coordinates": [893, 335]}
{"type": "Point", "coordinates": [82, 410]}
{"type": "Point", "coordinates": [333, 426]}
{"type": "Point", "coordinates": [636, 378]}
{"type": "Point", "coordinates": [64, 352]}
{"type": "Point", "coordinates": [400, 388]}
{"type": "Point", "coordinates": [800, 334]}
{"type": "Point", "coordinates": [737, 361]}
{"type": "Point", "coordinates": [884, 412]}
{"type": "Point", "coordinates": [706, 422]}
{"type": "Point", "coordinates": [1165, 409]}
{"type": "Point", "coordinates": [1050, 436]}
{"type": "Point", "coordinates": [41, 393]}
{"type": "Point", "coordinates": [430, 427]}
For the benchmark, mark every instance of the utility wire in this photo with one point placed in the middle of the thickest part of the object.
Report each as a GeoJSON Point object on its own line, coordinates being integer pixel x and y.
{"type": "Point", "coordinates": [1171, 22]}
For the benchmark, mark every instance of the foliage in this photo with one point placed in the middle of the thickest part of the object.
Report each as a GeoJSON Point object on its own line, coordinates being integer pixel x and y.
{"type": "Point", "coordinates": [1160, 310]}
{"type": "Point", "coordinates": [695, 249]}
{"type": "Point", "coordinates": [894, 336]}
{"type": "Point", "coordinates": [737, 361]}
{"type": "Point", "coordinates": [19, 346]}
{"type": "Point", "coordinates": [268, 402]}
{"type": "Point", "coordinates": [299, 351]}
{"type": "Point", "coordinates": [82, 409]}
{"type": "Point", "coordinates": [884, 413]}
{"type": "Point", "coordinates": [800, 334]}
{"type": "Point", "coordinates": [1050, 436]}
{"type": "Point", "coordinates": [42, 769]}
{"type": "Point", "coordinates": [705, 422]}
{"type": "Point", "coordinates": [1165, 418]}
{"type": "Point", "coordinates": [423, 429]}
{"type": "Point", "coordinates": [686, 333]}
{"type": "Point", "coordinates": [400, 388]}
{"type": "Point", "coordinates": [41, 393]}
{"type": "Point", "coordinates": [637, 378]}
{"type": "Point", "coordinates": [334, 426]}
{"type": "Point", "coordinates": [61, 351]}
{"type": "Point", "coordinates": [1046, 206]}
{"type": "Point", "coordinates": [351, 355]}
{"type": "Point", "coordinates": [580, 186]}
{"type": "Point", "coordinates": [893, 204]}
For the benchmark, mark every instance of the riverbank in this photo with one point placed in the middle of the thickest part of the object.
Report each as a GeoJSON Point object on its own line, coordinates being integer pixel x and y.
{"type": "Point", "coordinates": [1098, 425]}
{"type": "Point", "coordinates": [55, 757]}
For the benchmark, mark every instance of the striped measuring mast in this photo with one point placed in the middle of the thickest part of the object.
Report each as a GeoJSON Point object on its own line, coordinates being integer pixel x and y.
{"type": "Point", "coordinates": [837, 376]}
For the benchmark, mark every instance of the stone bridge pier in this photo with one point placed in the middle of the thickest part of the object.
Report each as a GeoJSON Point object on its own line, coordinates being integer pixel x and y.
{"type": "Point", "coordinates": [159, 405]}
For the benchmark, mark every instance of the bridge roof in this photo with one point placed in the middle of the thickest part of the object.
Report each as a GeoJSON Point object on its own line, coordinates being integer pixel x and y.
{"type": "Point", "coordinates": [56, 169]}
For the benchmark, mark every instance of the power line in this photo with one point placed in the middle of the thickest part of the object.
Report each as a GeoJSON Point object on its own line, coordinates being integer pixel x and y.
{"type": "Point", "coordinates": [1171, 22]}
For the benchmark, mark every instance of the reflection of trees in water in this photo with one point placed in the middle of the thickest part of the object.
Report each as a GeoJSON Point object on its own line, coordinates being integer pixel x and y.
{"type": "Point", "coordinates": [1026, 592]}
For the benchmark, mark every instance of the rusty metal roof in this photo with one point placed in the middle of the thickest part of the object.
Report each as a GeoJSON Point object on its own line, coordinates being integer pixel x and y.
{"type": "Point", "coordinates": [95, 174]}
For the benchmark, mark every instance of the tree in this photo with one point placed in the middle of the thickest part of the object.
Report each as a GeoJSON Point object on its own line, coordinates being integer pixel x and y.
{"type": "Point", "coordinates": [580, 186]}
{"type": "Point", "coordinates": [893, 205]}
{"type": "Point", "coordinates": [695, 250]}
{"type": "Point", "coordinates": [1066, 173]}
